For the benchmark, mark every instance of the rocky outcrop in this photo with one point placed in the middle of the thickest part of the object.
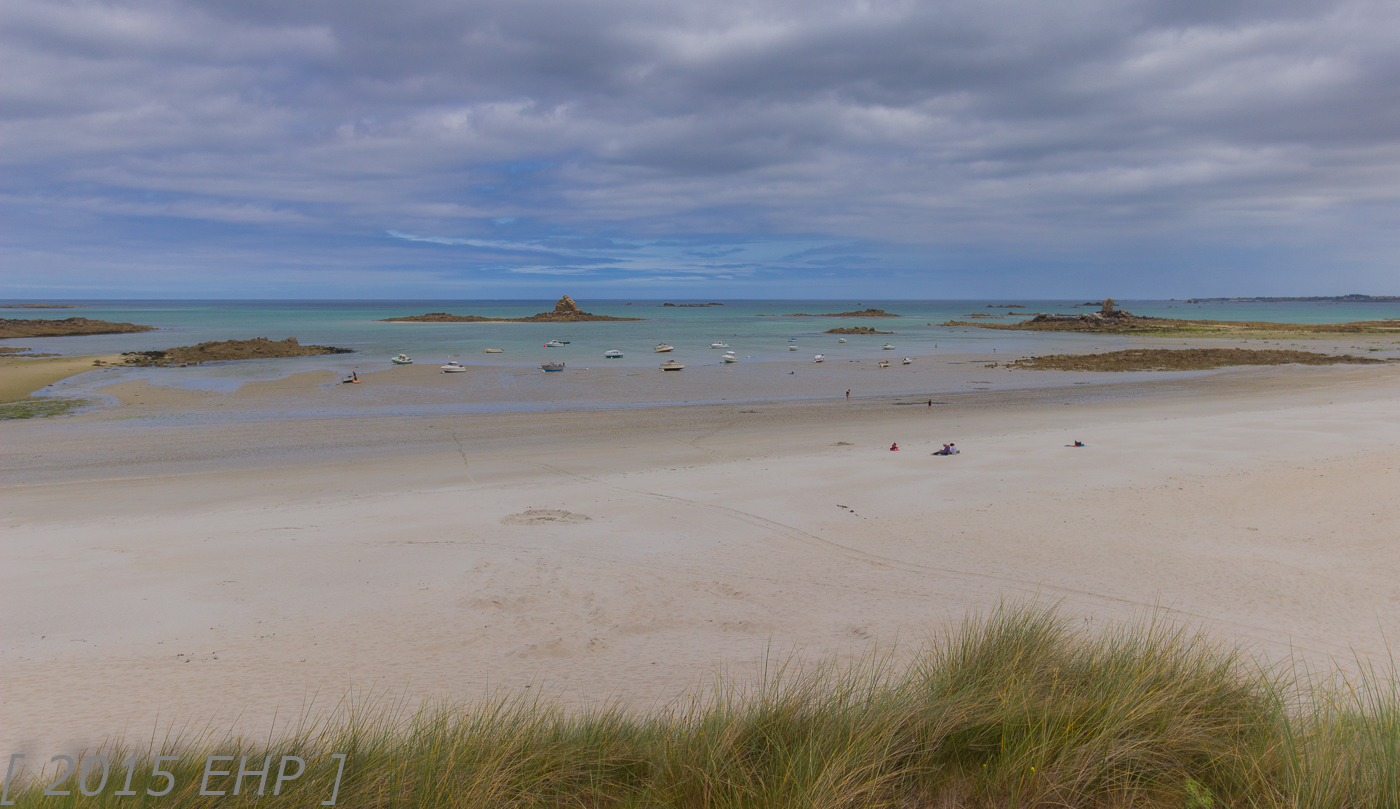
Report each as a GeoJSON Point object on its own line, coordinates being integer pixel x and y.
{"type": "Point", "coordinates": [861, 313]}
{"type": "Point", "coordinates": [856, 330]}
{"type": "Point", "coordinates": [565, 311]}
{"type": "Point", "coordinates": [65, 327]}
{"type": "Point", "coordinates": [255, 349]}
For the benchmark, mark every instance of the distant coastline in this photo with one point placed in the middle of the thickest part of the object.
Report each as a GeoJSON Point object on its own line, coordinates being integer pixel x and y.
{"type": "Point", "coordinates": [1313, 299]}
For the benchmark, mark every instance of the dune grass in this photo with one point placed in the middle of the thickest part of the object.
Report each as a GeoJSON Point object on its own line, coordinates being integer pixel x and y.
{"type": "Point", "coordinates": [1013, 709]}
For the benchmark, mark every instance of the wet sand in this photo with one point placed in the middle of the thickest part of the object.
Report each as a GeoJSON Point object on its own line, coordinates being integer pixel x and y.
{"type": "Point", "coordinates": [165, 563]}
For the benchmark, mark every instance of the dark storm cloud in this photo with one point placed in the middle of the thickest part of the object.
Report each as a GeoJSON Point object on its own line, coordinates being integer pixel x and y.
{"type": "Point", "coordinates": [574, 129]}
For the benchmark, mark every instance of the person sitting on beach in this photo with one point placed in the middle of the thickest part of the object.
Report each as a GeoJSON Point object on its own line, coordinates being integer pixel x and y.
{"type": "Point", "coordinates": [944, 451]}
{"type": "Point", "coordinates": [952, 449]}
{"type": "Point", "coordinates": [1079, 443]}
{"type": "Point", "coordinates": [894, 448]}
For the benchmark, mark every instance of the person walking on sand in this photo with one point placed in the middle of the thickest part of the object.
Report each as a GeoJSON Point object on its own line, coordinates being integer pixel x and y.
{"type": "Point", "coordinates": [848, 394]}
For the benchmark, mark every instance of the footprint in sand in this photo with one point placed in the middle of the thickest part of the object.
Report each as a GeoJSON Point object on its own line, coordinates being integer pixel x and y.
{"type": "Point", "coordinates": [543, 516]}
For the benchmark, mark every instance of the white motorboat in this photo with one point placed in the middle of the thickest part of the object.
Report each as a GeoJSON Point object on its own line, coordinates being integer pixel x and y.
{"type": "Point", "coordinates": [402, 359]}
{"type": "Point", "coordinates": [729, 357]}
{"type": "Point", "coordinates": [454, 368]}
{"type": "Point", "coordinates": [718, 344]}
{"type": "Point", "coordinates": [552, 366]}
{"type": "Point", "coordinates": [671, 365]}
{"type": "Point", "coordinates": [493, 350]}
{"type": "Point", "coordinates": [792, 348]}
{"type": "Point", "coordinates": [555, 344]}
{"type": "Point", "coordinates": [884, 363]}
{"type": "Point", "coordinates": [662, 348]}
{"type": "Point", "coordinates": [612, 355]}
{"type": "Point", "coordinates": [887, 347]}
{"type": "Point", "coordinates": [907, 361]}
{"type": "Point", "coordinates": [819, 358]}
{"type": "Point", "coordinates": [841, 340]}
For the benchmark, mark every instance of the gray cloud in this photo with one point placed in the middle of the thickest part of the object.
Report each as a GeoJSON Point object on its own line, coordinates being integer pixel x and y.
{"type": "Point", "coordinates": [1009, 125]}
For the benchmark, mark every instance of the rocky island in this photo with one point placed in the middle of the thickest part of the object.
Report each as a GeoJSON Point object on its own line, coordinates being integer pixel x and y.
{"type": "Point", "coordinates": [258, 348]}
{"type": "Point", "coordinates": [691, 305]}
{"type": "Point", "coordinates": [44, 306]}
{"type": "Point", "coordinates": [1182, 359]}
{"type": "Point", "coordinates": [861, 313]}
{"type": "Point", "coordinates": [856, 330]}
{"type": "Point", "coordinates": [63, 328]}
{"type": "Point", "coordinates": [565, 311]}
{"type": "Point", "coordinates": [1112, 320]}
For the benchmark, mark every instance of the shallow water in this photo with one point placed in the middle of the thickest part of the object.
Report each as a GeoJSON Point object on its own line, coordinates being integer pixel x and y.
{"type": "Point", "coordinates": [758, 340]}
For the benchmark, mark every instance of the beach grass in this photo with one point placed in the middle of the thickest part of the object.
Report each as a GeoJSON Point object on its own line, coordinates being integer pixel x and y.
{"type": "Point", "coordinates": [1017, 708]}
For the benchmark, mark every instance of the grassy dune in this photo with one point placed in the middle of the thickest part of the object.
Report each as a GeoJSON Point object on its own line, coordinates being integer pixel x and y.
{"type": "Point", "coordinates": [1017, 709]}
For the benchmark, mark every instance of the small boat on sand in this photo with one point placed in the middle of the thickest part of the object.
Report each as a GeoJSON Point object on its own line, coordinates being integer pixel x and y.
{"type": "Point", "coordinates": [907, 361]}
{"type": "Point", "coordinates": [402, 359]}
{"type": "Point", "coordinates": [719, 344]}
{"type": "Point", "coordinates": [493, 350]}
{"type": "Point", "coordinates": [612, 355]}
{"type": "Point", "coordinates": [552, 366]}
{"type": "Point", "coordinates": [662, 348]}
{"type": "Point", "coordinates": [819, 358]}
{"type": "Point", "coordinates": [454, 368]}
{"type": "Point", "coordinates": [671, 365]}
{"type": "Point", "coordinates": [884, 364]}
{"type": "Point", "coordinates": [729, 357]}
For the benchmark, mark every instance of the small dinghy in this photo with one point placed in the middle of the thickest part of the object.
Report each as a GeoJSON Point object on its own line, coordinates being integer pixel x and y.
{"type": "Point", "coordinates": [402, 359]}
{"type": "Point", "coordinates": [792, 348]}
{"type": "Point", "coordinates": [887, 347]}
{"type": "Point", "coordinates": [907, 361]}
{"type": "Point", "coordinates": [552, 366]}
{"type": "Point", "coordinates": [819, 358]}
{"type": "Point", "coordinates": [493, 350]}
{"type": "Point", "coordinates": [612, 355]}
{"type": "Point", "coordinates": [841, 340]}
{"type": "Point", "coordinates": [671, 365]}
{"type": "Point", "coordinates": [454, 368]}
{"type": "Point", "coordinates": [884, 364]}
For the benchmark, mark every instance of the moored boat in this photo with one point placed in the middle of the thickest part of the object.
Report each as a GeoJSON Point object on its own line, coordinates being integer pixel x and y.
{"type": "Point", "coordinates": [552, 366]}
{"type": "Point", "coordinates": [454, 368]}
{"type": "Point", "coordinates": [493, 350]}
{"type": "Point", "coordinates": [671, 365]}
{"type": "Point", "coordinates": [841, 340]}
{"type": "Point", "coordinates": [555, 344]}
{"type": "Point", "coordinates": [819, 358]}
{"type": "Point", "coordinates": [887, 347]}
{"type": "Point", "coordinates": [719, 344]}
{"type": "Point", "coordinates": [402, 359]}
{"type": "Point", "coordinates": [729, 357]}
{"type": "Point", "coordinates": [907, 361]}
{"type": "Point", "coordinates": [612, 355]}
{"type": "Point", "coordinates": [662, 348]}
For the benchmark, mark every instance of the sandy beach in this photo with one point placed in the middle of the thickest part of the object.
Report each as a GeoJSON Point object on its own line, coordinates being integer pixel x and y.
{"type": "Point", "coordinates": [164, 569]}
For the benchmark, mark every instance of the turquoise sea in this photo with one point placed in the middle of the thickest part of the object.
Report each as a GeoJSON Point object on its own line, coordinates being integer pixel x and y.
{"type": "Point", "coordinates": [741, 324]}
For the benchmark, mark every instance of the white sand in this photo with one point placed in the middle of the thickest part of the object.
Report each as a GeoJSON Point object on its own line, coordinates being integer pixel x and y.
{"type": "Point", "coordinates": [212, 572]}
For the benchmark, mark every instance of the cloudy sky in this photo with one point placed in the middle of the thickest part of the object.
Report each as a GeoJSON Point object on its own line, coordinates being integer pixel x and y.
{"type": "Point", "coordinates": [425, 148]}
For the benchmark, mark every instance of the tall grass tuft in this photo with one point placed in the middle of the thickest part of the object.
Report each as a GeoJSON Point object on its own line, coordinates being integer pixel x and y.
{"type": "Point", "coordinates": [1016, 708]}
